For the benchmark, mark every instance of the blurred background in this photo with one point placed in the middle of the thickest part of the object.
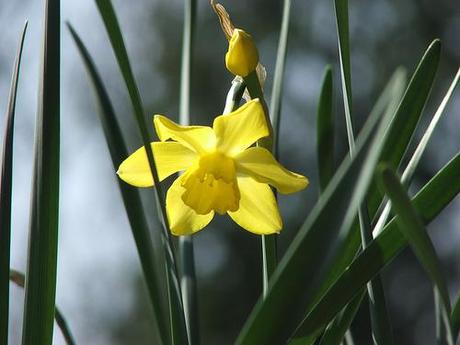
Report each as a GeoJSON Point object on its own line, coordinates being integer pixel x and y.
{"type": "Point", "coordinates": [100, 287]}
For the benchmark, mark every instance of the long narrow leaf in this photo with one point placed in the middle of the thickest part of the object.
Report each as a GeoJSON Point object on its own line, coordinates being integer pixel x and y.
{"type": "Point", "coordinates": [386, 103]}
{"type": "Point", "coordinates": [429, 202]}
{"type": "Point", "coordinates": [406, 112]}
{"type": "Point", "coordinates": [412, 227]}
{"type": "Point", "coordinates": [335, 333]}
{"type": "Point", "coordinates": [277, 89]}
{"type": "Point", "coordinates": [325, 131]}
{"type": "Point", "coordinates": [5, 194]}
{"type": "Point", "coordinates": [455, 318]}
{"type": "Point", "coordinates": [40, 289]}
{"type": "Point", "coordinates": [418, 153]}
{"type": "Point", "coordinates": [186, 251]}
{"type": "Point", "coordinates": [131, 197]}
{"type": "Point", "coordinates": [341, 14]}
{"type": "Point", "coordinates": [381, 327]}
{"type": "Point", "coordinates": [342, 198]}
{"type": "Point", "coordinates": [177, 318]}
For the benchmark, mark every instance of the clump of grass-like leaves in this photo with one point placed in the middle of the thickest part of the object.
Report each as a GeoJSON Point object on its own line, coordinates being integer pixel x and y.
{"type": "Point", "coordinates": [363, 217]}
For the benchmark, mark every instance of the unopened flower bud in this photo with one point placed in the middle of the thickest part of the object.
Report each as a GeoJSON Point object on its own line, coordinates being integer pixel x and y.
{"type": "Point", "coordinates": [242, 56]}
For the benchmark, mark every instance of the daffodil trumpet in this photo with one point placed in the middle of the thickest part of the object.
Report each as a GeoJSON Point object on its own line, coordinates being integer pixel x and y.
{"type": "Point", "coordinates": [222, 172]}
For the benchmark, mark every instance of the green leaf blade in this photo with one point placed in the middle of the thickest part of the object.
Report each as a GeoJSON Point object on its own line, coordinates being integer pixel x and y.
{"type": "Point", "coordinates": [350, 243]}
{"type": "Point", "coordinates": [325, 131]}
{"type": "Point", "coordinates": [412, 227]}
{"type": "Point", "coordinates": [301, 260]}
{"type": "Point", "coordinates": [131, 198]}
{"type": "Point", "coordinates": [6, 185]}
{"type": "Point", "coordinates": [177, 318]}
{"type": "Point", "coordinates": [43, 238]}
{"type": "Point", "coordinates": [429, 202]}
{"type": "Point", "coordinates": [336, 331]}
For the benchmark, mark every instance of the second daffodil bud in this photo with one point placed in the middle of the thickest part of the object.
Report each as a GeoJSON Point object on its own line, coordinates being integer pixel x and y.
{"type": "Point", "coordinates": [242, 56]}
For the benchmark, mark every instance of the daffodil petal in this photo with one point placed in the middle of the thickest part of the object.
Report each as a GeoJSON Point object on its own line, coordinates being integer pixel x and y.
{"type": "Point", "coordinates": [198, 138]}
{"type": "Point", "coordinates": [170, 157]}
{"type": "Point", "coordinates": [241, 128]}
{"type": "Point", "coordinates": [183, 220]}
{"type": "Point", "coordinates": [258, 211]}
{"type": "Point", "coordinates": [260, 164]}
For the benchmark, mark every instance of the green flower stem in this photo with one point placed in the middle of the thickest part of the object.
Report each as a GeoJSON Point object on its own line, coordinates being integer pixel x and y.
{"type": "Point", "coordinates": [269, 245]}
{"type": "Point", "coordinates": [234, 95]}
{"type": "Point", "coordinates": [186, 252]}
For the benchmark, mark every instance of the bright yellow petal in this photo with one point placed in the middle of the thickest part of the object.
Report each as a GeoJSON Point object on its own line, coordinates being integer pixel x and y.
{"type": "Point", "coordinates": [198, 138]}
{"type": "Point", "coordinates": [182, 219]}
{"type": "Point", "coordinates": [241, 128]}
{"type": "Point", "coordinates": [258, 211]}
{"type": "Point", "coordinates": [260, 164]}
{"type": "Point", "coordinates": [170, 157]}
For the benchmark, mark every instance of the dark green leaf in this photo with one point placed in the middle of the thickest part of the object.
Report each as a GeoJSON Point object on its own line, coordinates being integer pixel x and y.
{"type": "Point", "coordinates": [5, 195]}
{"type": "Point", "coordinates": [296, 276]}
{"type": "Point", "coordinates": [325, 131]}
{"type": "Point", "coordinates": [417, 155]}
{"type": "Point", "coordinates": [186, 252]}
{"type": "Point", "coordinates": [350, 242]}
{"type": "Point", "coordinates": [131, 197]}
{"type": "Point", "coordinates": [177, 318]}
{"type": "Point", "coordinates": [277, 89]}
{"type": "Point", "coordinates": [381, 327]}
{"type": "Point", "coordinates": [413, 229]}
{"type": "Point", "coordinates": [408, 113]}
{"type": "Point", "coordinates": [336, 331]}
{"type": "Point", "coordinates": [40, 288]}
{"type": "Point", "coordinates": [429, 202]}
{"type": "Point", "coordinates": [455, 319]}
{"type": "Point", "coordinates": [341, 15]}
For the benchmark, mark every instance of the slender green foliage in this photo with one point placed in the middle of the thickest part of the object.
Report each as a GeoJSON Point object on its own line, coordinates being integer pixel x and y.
{"type": "Point", "coordinates": [341, 197]}
{"type": "Point", "coordinates": [186, 251]}
{"type": "Point", "coordinates": [341, 15]}
{"type": "Point", "coordinates": [6, 184]}
{"type": "Point", "coordinates": [40, 287]}
{"type": "Point", "coordinates": [455, 318]}
{"type": "Point", "coordinates": [406, 111]}
{"type": "Point", "coordinates": [412, 227]}
{"type": "Point", "coordinates": [131, 198]}
{"type": "Point", "coordinates": [429, 202]}
{"type": "Point", "coordinates": [277, 89]}
{"type": "Point", "coordinates": [325, 131]}
{"type": "Point", "coordinates": [177, 319]}
{"type": "Point", "coordinates": [403, 127]}
{"type": "Point", "coordinates": [381, 327]}
{"type": "Point", "coordinates": [336, 331]}
{"type": "Point", "coordinates": [418, 153]}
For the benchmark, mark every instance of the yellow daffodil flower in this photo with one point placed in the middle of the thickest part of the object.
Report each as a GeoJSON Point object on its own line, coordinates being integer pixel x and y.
{"type": "Point", "coordinates": [224, 173]}
{"type": "Point", "coordinates": [242, 56]}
